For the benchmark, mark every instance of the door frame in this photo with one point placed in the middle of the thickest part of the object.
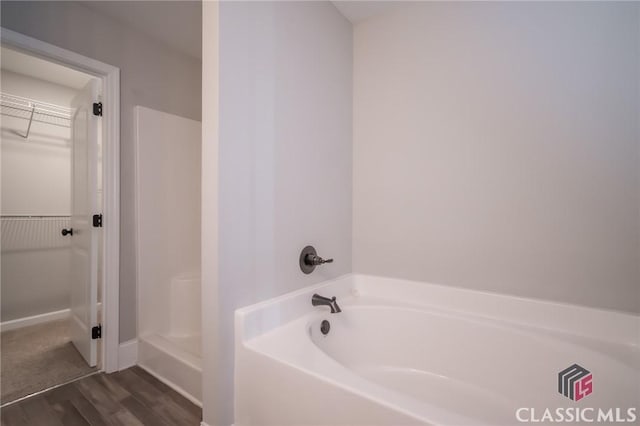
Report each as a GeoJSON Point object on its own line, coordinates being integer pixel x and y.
{"type": "Point", "coordinates": [110, 79]}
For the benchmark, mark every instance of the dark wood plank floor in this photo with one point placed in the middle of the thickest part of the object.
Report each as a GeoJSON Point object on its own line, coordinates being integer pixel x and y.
{"type": "Point", "coordinates": [129, 397]}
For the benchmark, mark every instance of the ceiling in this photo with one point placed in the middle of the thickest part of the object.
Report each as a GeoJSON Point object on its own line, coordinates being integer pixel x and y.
{"type": "Point", "coordinates": [177, 24]}
{"type": "Point", "coordinates": [358, 11]}
{"type": "Point", "coordinates": [20, 63]}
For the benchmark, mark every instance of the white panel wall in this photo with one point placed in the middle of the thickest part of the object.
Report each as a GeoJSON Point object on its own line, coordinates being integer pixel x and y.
{"type": "Point", "coordinates": [285, 162]}
{"type": "Point", "coordinates": [168, 154]}
{"type": "Point", "coordinates": [35, 181]}
{"type": "Point", "coordinates": [497, 147]}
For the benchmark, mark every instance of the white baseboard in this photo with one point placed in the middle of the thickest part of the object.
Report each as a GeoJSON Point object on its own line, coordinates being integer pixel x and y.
{"type": "Point", "coordinates": [33, 320]}
{"type": "Point", "coordinates": [128, 354]}
{"type": "Point", "coordinates": [39, 319]}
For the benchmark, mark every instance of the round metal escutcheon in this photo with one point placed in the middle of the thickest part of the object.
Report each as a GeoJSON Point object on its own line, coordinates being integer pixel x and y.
{"type": "Point", "coordinates": [304, 266]}
{"type": "Point", "coordinates": [325, 327]}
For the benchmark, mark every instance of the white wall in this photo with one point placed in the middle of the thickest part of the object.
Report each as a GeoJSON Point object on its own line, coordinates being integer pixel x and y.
{"type": "Point", "coordinates": [497, 147]}
{"type": "Point", "coordinates": [284, 163]}
{"type": "Point", "coordinates": [35, 178]}
{"type": "Point", "coordinates": [153, 74]}
{"type": "Point", "coordinates": [168, 156]}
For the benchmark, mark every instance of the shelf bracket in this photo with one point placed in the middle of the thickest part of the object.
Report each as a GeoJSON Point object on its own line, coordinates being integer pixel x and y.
{"type": "Point", "coordinates": [33, 110]}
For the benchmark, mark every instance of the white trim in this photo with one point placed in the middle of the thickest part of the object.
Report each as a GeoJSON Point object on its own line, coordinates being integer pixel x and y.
{"type": "Point", "coordinates": [40, 319]}
{"type": "Point", "coordinates": [110, 77]}
{"type": "Point", "coordinates": [213, 401]}
{"type": "Point", "coordinates": [136, 209]}
{"type": "Point", "coordinates": [128, 354]}
{"type": "Point", "coordinates": [33, 320]}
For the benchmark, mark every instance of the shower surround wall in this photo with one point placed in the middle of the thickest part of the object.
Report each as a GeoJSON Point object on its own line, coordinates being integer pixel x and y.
{"type": "Point", "coordinates": [497, 147]}
{"type": "Point", "coordinates": [35, 181]}
{"type": "Point", "coordinates": [168, 182]}
{"type": "Point", "coordinates": [284, 165]}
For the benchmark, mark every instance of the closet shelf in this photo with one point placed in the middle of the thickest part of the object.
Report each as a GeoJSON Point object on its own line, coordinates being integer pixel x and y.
{"type": "Point", "coordinates": [34, 111]}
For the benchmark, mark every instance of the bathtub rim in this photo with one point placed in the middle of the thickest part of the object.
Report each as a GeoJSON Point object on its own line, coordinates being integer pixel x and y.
{"type": "Point", "coordinates": [620, 328]}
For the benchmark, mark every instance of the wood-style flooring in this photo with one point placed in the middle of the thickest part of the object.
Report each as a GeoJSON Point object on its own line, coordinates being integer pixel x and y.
{"type": "Point", "coordinates": [129, 397]}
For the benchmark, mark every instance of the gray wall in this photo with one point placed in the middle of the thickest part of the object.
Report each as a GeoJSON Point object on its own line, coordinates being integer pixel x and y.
{"type": "Point", "coordinates": [152, 75]}
{"type": "Point", "coordinates": [497, 147]}
{"type": "Point", "coordinates": [285, 161]}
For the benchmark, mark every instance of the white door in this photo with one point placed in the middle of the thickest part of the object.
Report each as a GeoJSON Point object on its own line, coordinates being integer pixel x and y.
{"type": "Point", "coordinates": [84, 204]}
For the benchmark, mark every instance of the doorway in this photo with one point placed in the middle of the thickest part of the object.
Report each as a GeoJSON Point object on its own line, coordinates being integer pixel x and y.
{"type": "Point", "coordinates": [50, 151]}
{"type": "Point", "coordinates": [60, 224]}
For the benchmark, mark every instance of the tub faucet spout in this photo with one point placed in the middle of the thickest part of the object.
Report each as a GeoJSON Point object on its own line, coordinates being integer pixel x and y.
{"type": "Point", "coordinates": [317, 300]}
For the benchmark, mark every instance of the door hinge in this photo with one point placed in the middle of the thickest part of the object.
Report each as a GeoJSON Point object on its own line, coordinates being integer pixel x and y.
{"type": "Point", "coordinates": [96, 332]}
{"type": "Point", "coordinates": [97, 220]}
{"type": "Point", "coordinates": [97, 108]}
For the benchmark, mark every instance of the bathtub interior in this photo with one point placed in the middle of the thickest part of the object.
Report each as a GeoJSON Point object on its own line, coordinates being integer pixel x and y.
{"type": "Point", "coordinates": [372, 343]}
{"type": "Point", "coordinates": [454, 358]}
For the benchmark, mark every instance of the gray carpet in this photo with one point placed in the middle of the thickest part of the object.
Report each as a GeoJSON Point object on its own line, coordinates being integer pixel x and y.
{"type": "Point", "coordinates": [37, 357]}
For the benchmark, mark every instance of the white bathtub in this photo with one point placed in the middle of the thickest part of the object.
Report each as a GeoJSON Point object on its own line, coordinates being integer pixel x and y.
{"type": "Point", "coordinates": [413, 353]}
